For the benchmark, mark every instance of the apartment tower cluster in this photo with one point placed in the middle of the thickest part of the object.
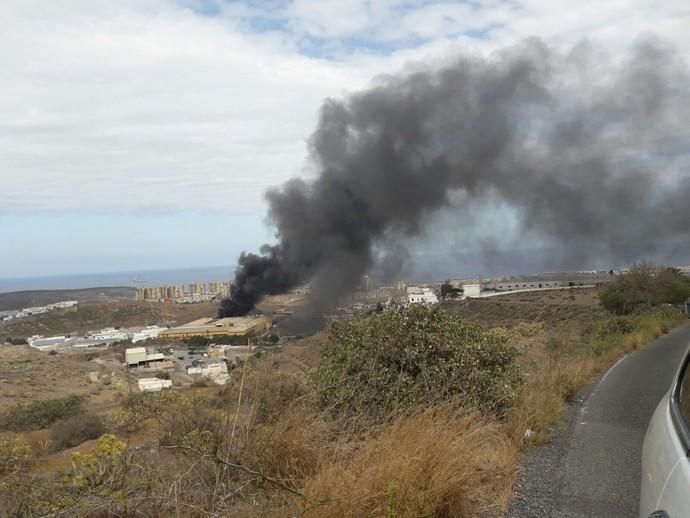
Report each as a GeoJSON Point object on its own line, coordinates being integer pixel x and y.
{"type": "Point", "coordinates": [196, 292]}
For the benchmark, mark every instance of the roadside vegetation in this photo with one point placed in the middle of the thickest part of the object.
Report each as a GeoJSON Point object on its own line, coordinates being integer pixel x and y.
{"type": "Point", "coordinates": [645, 286]}
{"type": "Point", "coordinates": [413, 411]}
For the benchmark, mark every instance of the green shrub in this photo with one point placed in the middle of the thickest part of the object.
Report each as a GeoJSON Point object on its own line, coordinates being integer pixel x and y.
{"type": "Point", "coordinates": [143, 405]}
{"type": "Point", "coordinates": [644, 286]}
{"type": "Point", "coordinates": [73, 431]}
{"type": "Point", "coordinates": [41, 414]}
{"type": "Point", "coordinates": [163, 375]}
{"type": "Point", "coordinates": [410, 355]}
{"type": "Point", "coordinates": [606, 334]}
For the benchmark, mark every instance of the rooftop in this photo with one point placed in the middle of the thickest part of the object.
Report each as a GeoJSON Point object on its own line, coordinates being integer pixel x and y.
{"type": "Point", "coordinates": [238, 323]}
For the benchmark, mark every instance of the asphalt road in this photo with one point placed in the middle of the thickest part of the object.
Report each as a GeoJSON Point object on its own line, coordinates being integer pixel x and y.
{"type": "Point", "coordinates": [592, 467]}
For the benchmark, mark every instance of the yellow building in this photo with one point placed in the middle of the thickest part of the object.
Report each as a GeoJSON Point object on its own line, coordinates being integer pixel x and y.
{"type": "Point", "coordinates": [210, 327]}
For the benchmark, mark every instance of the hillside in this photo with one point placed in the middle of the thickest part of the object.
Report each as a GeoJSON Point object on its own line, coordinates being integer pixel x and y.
{"type": "Point", "coordinates": [337, 424]}
{"type": "Point", "coordinates": [557, 308]}
{"type": "Point", "coordinates": [90, 316]}
{"type": "Point", "coordinates": [29, 375]}
{"type": "Point", "coordinates": [25, 299]}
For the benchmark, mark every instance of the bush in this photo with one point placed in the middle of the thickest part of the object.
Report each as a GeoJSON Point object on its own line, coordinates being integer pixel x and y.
{"type": "Point", "coordinates": [15, 453]}
{"type": "Point", "coordinates": [73, 431]}
{"type": "Point", "coordinates": [644, 286]}
{"type": "Point", "coordinates": [163, 375]}
{"type": "Point", "coordinates": [144, 405]}
{"type": "Point", "coordinates": [414, 354]}
{"type": "Point", "coordinates": [608, 333]}
{"type": "Point", "coordinates": [41, 414]}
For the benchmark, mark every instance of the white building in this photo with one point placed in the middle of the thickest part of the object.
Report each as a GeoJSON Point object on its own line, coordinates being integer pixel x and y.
{"type": "Point", "coordinates": [418, 295]}
{"type": "Point", "coordinates": [217, 372]}
{"type": "Point", "coordinates": [110, 334]}
{"type": "Point", "coordinates": [153, 384]}
{"type": "Point", "coordinates": [46, 343]}
{"type": "Point", "coordinates": [471, 290]}
{"type": "Point", "coordinates": [38, 310]}
{"type": "Point", "coordinates": [63, 304]}
{"type": "Point", "coordinates": [146, 334]}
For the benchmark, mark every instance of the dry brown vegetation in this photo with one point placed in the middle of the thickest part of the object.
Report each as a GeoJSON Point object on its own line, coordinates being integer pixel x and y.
{"type": "Point", "coordinates": [555, 308]}
{"type": "Point", "coordinates": [27, 374]}
{"type": "Point", "coordinates": [265, 445]}
{"type": "Point", "coordinates": [430, 462]}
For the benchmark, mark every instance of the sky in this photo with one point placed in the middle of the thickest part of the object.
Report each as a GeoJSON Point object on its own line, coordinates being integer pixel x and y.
{"type": "Point", "coordinates": [142, 134]}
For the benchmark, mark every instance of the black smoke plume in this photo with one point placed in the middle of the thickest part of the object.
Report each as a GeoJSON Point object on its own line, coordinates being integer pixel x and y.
{"type": "Point", "coordinates": [592, 154]}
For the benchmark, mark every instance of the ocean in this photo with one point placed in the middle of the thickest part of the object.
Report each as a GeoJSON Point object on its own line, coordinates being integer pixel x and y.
{"type": "Point", "coordinates": [130, 278]}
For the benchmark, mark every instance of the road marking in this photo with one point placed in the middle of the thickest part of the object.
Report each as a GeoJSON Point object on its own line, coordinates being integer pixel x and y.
{"type": "Point", "coordinates": [611, 369]}
{"type": "Point", "coordinates": [593, 394]}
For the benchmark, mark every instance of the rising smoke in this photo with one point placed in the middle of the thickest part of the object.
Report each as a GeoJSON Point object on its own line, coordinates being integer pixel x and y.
{"type": "Point", "coordinates": [592, 156]}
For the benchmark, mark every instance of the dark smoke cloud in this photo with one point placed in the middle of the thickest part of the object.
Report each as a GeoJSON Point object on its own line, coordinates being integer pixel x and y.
{"type": "Point", "coordinates": [591, 155]}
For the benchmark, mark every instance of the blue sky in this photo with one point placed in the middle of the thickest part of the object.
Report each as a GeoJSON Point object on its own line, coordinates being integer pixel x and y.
{"type": "Point", "coordinates": [142, 134]}
{"type": "Point", "coordinates": [128, 242]}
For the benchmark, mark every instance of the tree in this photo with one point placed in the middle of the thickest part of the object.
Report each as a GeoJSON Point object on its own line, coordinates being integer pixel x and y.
{"type": "Point", "coordinates": [448, 290]}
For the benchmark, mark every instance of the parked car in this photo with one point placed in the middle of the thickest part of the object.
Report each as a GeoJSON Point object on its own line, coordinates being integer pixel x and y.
{"type": "Point", "coordinates": [665, 489]}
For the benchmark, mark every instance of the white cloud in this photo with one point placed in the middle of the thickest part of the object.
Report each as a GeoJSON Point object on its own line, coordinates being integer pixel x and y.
{"type": "Point", "coordinates": [154, 105]}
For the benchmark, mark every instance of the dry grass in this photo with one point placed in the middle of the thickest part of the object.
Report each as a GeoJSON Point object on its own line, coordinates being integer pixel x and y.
{"type": "Point", "coordinates": [436, 462]}
{"type": "Point", "coordinates": [554, 376]}
{"type": "Point", "coordinates": [542, 399]}
{"type": "Point", "coordinates": [555, 309]}
{"type": "Point", "coordinates": [291, 448]}
{"type": "Point", "coordinates": [27, 374]}
{"type": "Point", "coordinates": [428, 463]}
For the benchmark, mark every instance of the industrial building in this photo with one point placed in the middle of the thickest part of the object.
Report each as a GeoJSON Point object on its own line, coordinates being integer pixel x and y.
{"type": "Point", "coordinates": [43, 343]}
{"type": "Point", "coordinates": [149, 332]}
{"type": "Point", "coordinates": [109, 334]}
{"type": "Point", "coordinates": [216, 372]}
{"type": "Point", "coordinates": [525, 285]}
{"type": "Point", "coordinates": [471, 290]}
{"type": "Point", "coordinates": [211, 327]}
{"type": "Point", "coordinates": [141, 358]}
{"type": "Point", "coordinates": [46, 343]}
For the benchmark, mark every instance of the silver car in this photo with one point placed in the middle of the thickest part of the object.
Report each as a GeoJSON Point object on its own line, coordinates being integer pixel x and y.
{"type": "Point", "coordinates": [665, 491]}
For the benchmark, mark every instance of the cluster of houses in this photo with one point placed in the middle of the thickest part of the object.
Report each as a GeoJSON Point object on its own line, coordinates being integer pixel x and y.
{"type": "Point", "coordinates": [36, 310]}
